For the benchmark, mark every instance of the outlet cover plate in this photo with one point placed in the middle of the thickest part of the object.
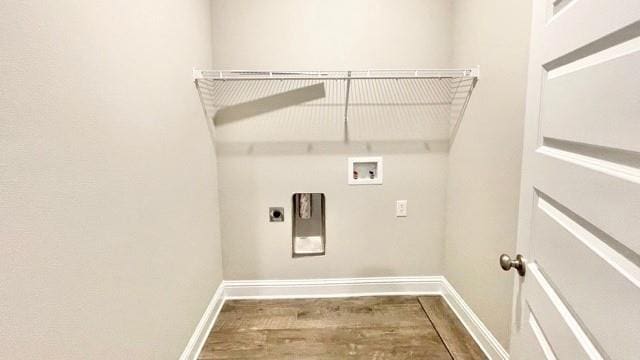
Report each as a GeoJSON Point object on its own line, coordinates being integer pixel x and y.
{"type": "Point", "coordinates": [401, 208]}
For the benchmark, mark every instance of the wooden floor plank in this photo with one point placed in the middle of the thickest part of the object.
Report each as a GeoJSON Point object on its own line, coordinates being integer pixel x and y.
{"type": "Point", "coordinates": [387, 327]}
{"type": "Point", "coordinates": [454, 335]}
{"type": "Point", "coordinates": [418, 342]}
{"type": "Point", "coordinates": [319, 313]}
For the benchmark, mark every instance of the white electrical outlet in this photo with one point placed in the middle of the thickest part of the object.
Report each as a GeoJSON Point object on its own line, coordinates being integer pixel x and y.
{"type": "Point", "coordinates": [401, 208]}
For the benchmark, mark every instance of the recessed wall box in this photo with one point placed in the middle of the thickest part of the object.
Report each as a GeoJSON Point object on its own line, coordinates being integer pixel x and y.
{"type": "Point", "coordinates": [364, 170]}
{"type": "Point", "coordinates": [308, 224]}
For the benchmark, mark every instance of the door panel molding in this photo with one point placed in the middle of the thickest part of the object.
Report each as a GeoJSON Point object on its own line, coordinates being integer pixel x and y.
{"type": "Point", "coordinates": [589, 276]}
{"type": "Point", "coordinates": [608, 202]}
{"type": "Point", "coordinates": [545, 347]}
{"type": "Point", "coordinates": [566, 38]}
{"type": "Point", "coordinates": [565, 334]}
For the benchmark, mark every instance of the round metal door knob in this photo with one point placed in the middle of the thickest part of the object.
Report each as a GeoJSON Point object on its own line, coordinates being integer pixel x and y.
{"type": "Point", "coordinates": [507, 263]}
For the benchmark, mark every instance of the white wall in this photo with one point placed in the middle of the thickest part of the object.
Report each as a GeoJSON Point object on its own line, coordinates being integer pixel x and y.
{"type": "Point", "coordinates": [110, 239]}
{"type": "Point", "coordinates": [484, 163]}
{"type": "Point", "coordinates": [261, 165]}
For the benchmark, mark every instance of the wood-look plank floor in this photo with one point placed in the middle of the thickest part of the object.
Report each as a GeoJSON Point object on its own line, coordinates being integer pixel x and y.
{"type": "Point", "coordinates": [455, 337]}
{"type": "Point", "coordinates": [386, 327]}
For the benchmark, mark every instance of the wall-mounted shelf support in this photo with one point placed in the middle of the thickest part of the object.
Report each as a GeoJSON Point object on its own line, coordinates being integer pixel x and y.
{"type": "Point", "coordinates": [346, 108]}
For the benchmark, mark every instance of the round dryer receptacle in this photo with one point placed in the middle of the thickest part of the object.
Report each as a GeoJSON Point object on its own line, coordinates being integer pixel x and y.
{"type": "Point", "coordinates": [276, 214]}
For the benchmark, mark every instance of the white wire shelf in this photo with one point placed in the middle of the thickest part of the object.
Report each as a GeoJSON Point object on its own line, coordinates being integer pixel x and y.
{"type": "Point", "coordinates": [437, 97]}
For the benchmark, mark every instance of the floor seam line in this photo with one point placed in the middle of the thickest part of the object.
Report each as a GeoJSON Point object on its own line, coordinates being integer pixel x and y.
{"type": "Point", "coordinates": [435, 328]}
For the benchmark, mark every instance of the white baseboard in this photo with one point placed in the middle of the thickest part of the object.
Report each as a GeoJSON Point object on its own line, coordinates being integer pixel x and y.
{"type": "Point", "coordinates": [345, 287]}
{"type": "Point", "coordinates": [199, 337]}
{"type": "Point", "coordinates": [485, 339]}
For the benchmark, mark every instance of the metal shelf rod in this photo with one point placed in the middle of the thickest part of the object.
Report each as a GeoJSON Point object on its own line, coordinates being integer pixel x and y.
{"type": "Point", "coordinates": [251, 75]}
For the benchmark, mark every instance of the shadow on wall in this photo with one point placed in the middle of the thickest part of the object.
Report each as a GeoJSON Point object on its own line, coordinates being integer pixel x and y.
{"type": "Point", "coordinates": [292, 131]}
{"type": "Point", "coordinates": [267, 104]}
{"type": "Point", "coordinates": [301, 117]}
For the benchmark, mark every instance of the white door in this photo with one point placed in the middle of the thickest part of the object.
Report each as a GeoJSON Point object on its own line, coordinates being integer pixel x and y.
{"type": "Point", "coordinates": [579, 226]}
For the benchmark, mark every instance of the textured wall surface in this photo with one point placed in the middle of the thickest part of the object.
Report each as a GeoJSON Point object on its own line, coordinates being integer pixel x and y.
{"type": "Point", "coordinates": [262, 164]}
{"type": "Point", "coordinates": [484, 163]}
{"type": "Point", "coordinates": [108, 201]}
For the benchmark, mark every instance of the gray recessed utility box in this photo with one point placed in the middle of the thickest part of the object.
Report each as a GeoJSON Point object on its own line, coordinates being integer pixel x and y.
{"type": "Point", "coordinates": [308, 224]}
